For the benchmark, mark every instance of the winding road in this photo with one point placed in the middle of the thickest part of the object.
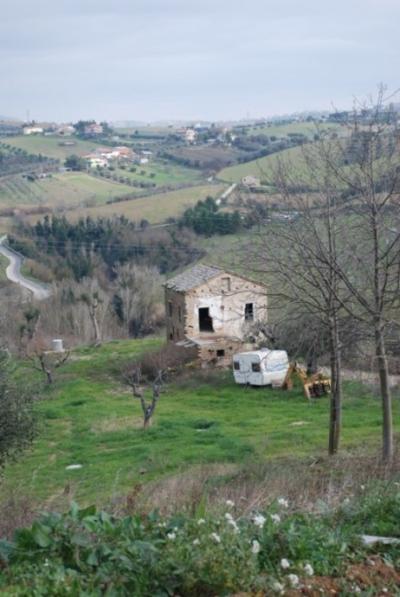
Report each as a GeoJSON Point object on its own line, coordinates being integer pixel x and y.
{"type": "Point", "coordinates": [13, 273]}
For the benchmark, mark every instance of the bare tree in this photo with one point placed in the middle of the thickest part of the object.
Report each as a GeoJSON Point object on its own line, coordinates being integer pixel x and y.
{"type": "Point", "coordinates": [97, 302]}
{"type": "Point", "coordinates": [45, 361]}
{"type": "Point", "coordinates": [138, 296]}
{"type": "Point", "coordinates": [133, 377]}
{"type": "Point", "coordinates": [298, 258]}
{"type": "Point", "coordinates": [341, 252]}
{"type": "Point", "coordinates": [370, 266]}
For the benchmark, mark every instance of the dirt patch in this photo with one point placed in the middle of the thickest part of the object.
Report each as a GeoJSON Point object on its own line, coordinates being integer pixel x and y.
{"type": "Point", "coordinates": [374, 574]}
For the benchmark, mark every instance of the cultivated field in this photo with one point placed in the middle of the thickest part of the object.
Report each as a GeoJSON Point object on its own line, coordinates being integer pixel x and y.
{"type": "Point", "coordinates": [154, 208]}
{"type": "Point", "coordinates": [59, 190]}
{"type": "Point", "coordinates": [90, 418]}
{"type": "Point", "coordinates": [51, 146]}
{"type": "Point", "coordinates": [161, 173]}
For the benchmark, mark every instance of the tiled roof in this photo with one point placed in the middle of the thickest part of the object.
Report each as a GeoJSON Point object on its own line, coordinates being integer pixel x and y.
{"type": "Point", "coordinates": [193, 277]}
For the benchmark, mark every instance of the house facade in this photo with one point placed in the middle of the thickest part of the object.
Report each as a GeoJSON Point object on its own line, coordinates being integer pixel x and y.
{"type": "Point", "coordinates": [211, 312]}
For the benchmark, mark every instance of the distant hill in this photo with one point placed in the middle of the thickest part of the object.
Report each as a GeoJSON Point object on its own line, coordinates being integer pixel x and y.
{"type": "Point", "coordinates": [9, 118]}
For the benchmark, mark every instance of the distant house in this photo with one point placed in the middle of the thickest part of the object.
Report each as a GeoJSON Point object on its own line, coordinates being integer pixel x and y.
{"type": "Point", "coordinates": [210, 312]}
{"type": "Point", "coordinates": [251, 182]}
{"type": "Point", "coordinates": [33, 130]}
{"type": "Point", "coordinates": [66, 130]}
{"type": "Point", "coordinates": [94, 160]}
{"type": "Point", "coordinates": [93, 129]}
{"type": "Point", "coordinates": [116, 153]}
{"type": "Point", "coordinates": [189, 135]}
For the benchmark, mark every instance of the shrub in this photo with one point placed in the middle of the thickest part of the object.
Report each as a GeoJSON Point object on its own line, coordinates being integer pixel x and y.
{"type": "Point", "coordinates": [94, 553]}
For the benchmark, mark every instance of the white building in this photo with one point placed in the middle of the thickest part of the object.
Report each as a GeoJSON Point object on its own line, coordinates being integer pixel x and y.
{"type": "Point", "coordinates": [32, 130]}
{"type": "Point", "coordinates": [251, 182]}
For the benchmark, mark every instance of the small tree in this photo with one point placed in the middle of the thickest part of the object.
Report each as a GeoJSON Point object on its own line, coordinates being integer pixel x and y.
{"type": "Point", "coordinates": [45, 361]}
{"type": "Point", "coordinates": [17, 421]}
{"type": "Point", "coordinates": [133, 378]}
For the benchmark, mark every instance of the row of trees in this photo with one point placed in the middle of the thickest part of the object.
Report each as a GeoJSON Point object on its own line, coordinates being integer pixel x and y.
{"type": "Point", "coordinates": [79, 249]}
{"type": "Point", "coordinates": [339, 262]}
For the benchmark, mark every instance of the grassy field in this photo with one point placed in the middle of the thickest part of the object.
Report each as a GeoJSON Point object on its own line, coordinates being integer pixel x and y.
{"type": "Point", "coordinates": [160, 173]}
{"type": "Point", "coordinates": [261, 168]}
{"type": "Point", "coordinates": [50, 146]}
{"type": "Point", "coordinates": [146, 131]}
{"type": "Point", "coordinates": [282, 130]}
{"type": "Point", "coordinates": [64, 189]}
{"type": "Point", "coordinates": [90, 418]}
{"type": "Point", "coordinates": [154, 208]}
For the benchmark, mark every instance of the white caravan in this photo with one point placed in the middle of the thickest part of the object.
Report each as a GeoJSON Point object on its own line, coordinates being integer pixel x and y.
{"type": "Point", "coordinates": [260, 367]}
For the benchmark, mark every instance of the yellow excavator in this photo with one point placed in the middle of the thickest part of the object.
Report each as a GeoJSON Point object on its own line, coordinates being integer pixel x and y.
{"type": "Point", "coordinates": [315, 385]}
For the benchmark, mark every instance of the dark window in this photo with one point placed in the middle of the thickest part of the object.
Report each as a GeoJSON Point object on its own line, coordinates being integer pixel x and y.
{"type": "Point", "coordinates": [220, 353]}
{"type": "Point", "coordinates": [205, 320]}
{"type": "Point", "coordinates": [171, 336]}
{"type": "Point", "coordinates": [255, 367]}
{"type": "Point", "coordinates": [236, 365]}
{"type": "Point", "coordinates": [249, 312]}
{"type": "Point", "coordinates": [170, 308]}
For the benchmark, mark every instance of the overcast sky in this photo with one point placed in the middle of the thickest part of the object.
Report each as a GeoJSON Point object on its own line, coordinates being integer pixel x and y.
{"type": "Point", "coordinates": [192, 59]}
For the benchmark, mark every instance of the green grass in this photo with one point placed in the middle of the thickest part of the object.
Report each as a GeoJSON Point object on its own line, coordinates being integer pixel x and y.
{"type": "Point", "coordinates": [282, 130]}
{"type": "Point", "coordinates": [160, 173]}
{"type": "Point", "coordinates": [90, 418]}
{"type": "Point", "coordinates": [155, 208]}
{"type": "Point", "coordinates": [263, 167]}
{"type": "Point", "coordinates": [69, 188]}
{"type": "Point", "coordinates": [50, 146]}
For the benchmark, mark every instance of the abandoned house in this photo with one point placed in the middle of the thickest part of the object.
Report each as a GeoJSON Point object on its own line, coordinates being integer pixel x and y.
{"type": "Point", "coordinates": [210, 312]}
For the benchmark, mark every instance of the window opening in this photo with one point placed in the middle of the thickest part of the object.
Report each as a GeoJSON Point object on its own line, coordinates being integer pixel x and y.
{"type": "Point", "coordinates": [220, 352]}
{"type": "Point", "coordinates": [255, 367]}
{"type": "Point", "coordinates": [249, 312]}
{"type": "Point", "coordinates": [236, 365]}
{"type": "Point", "coordinates": [205, 320]}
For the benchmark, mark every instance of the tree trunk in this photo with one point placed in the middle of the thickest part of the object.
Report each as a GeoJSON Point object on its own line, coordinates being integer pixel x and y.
{"type": "Point", "coordinates": [335, 417]}
{"type": "Point", "coordinates": [96, 327]}
{"type": "Point", "coordinates": [387, 424]}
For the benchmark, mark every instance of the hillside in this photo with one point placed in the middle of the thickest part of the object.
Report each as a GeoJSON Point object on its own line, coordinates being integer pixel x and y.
{"type": "Point", "coordinates": [154, 208]}
{"type": "Point", "coordinates": [261, 168]}
{"type": "Point", "coordinates": [309, 129]}
{"type": "Point", "coordinates": [52, 146]}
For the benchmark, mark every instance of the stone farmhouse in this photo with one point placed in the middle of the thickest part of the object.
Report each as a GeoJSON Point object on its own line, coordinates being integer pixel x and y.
{"type": "Point", "coordinates": [210, 312]}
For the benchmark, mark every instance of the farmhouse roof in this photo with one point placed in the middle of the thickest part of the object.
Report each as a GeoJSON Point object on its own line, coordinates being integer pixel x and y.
{"type": "Point", "coordinates": [193, 277]}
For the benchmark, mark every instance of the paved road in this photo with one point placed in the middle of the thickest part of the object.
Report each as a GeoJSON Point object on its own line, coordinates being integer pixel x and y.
{"type": "Point", "coordinates": [13, 273]}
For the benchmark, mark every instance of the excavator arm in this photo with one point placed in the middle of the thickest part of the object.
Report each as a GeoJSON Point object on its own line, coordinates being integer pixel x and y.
{"type": "Point", "coordinates": [314, 386]}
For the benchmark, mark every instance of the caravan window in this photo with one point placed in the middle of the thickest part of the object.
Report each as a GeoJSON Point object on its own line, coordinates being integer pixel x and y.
{"type": "Point", "coordinates": [255, 367]}
{"type": "Point", "coordinates": [236, 365]}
